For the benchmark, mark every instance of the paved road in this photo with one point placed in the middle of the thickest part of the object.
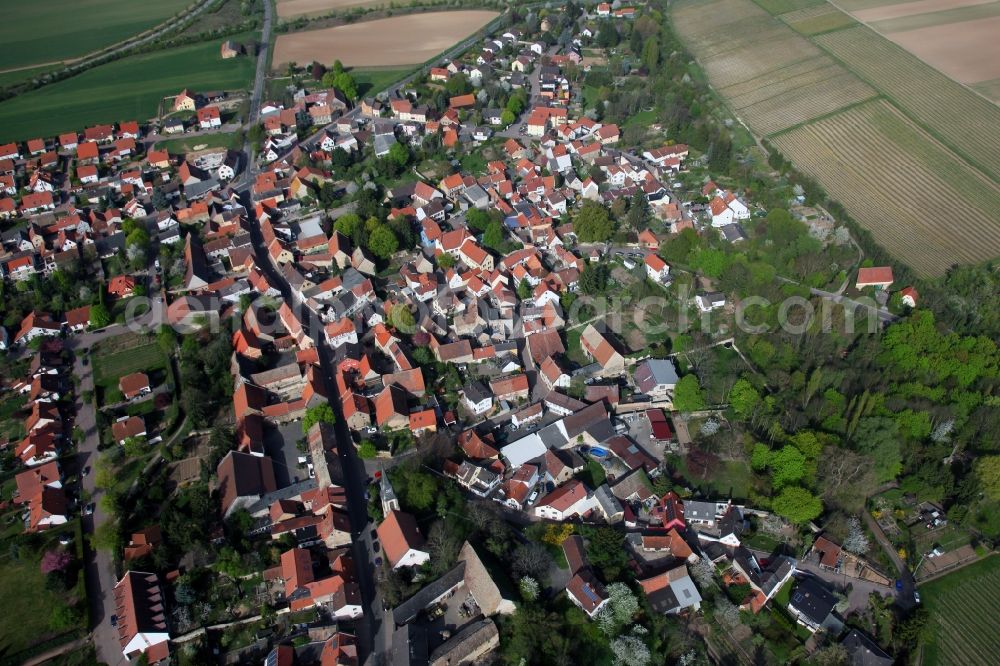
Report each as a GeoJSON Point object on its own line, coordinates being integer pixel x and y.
{"type": "Point", "coordinates": [100, 574]}
{"type": "Point", "coordinates": [371, 627]}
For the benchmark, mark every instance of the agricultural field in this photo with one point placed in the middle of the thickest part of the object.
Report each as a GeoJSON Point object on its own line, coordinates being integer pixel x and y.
{"type": "Point", "coordinates": [816, 20]}
{"type": "Point", "coordinates": [380, 43]}
{"type": "Point", "coordinates": [956, 37]}
{"type": "Point", "coordinates": [898, 143]}
{"type": "Point", "coordinates": [10, 77]}
{"type": "Point", "coordinates": [55, 30]}
{"type": "Point", "coordinates": [288, 9]}
{"type": "Point", "coordinates": [901, 184]}
{"type": "Point", "coordinates": [783, 6]}
{"type": "Point", "coordinates": [772, 77]}
{"type": "Point", "coordinates": [963, 607]}
{"type": "Point", "coordinates": [126, 89]}
{"type": "Point", "coordinates": [948, 110]}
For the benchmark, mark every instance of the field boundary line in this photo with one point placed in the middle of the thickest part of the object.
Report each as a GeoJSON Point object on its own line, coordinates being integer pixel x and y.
{"type": "Point", "coordinates": [926, 64]}
{"type": "Point", "coordinates": [826, 116]}
{"type": "Point", "coordinates": [898, 106]}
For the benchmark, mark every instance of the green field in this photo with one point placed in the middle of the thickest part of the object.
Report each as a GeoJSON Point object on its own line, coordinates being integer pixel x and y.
{"type": "Point", "coordinates": [964, 606]}
{"type": "Point", "coordinates": [230, 140]}
{"type": "Point", "coordinates": [42, 32]}
{"type": "Point", "coordinates": [109, 367]}
{"type": "Point", "coordinates": [375, 79]}
{"type": "Point", "coordinates": [776, 7]}
{"type": "Point", "coordinates": [127, 89]}
{"type": "Point", "coordinates": [19, 75]}
{"type": "Point", "coordinates": [28, 602]}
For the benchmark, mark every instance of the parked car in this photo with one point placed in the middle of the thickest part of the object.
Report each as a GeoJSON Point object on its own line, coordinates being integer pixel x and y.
{"type": "Point", "coordinates": [916, 596]}
{"type": "Point", "coordinates": [375, 546]}
{"type": "Point", "coordinates": [114, 620]}
{"type": "Point", "coordinates": [89, 509]}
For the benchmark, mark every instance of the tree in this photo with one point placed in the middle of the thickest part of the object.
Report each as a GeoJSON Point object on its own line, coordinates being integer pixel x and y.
{"type": "Point", "coordinates": [531, 559]}
{"type": "Point", "coordinates": [787, 466]}
{"type": "Point", "coordinates": [592, 223]}
{"type": "Point", "coordinates": [797, 505]}
{"type": "Point", "coordinates": [159, 199]}
{"type": "Point", "coordinates": [99, 315]}
{"type": "Point", "coordinates": [348, 224]}
{"type": "Point", "coordinates": [630, 651]}
{"type": "Point", "coordinates": [366, 449]}
{"type": "Point", "coordinates": [688, 396]}
{"type": "Point", "coordinates": [399, 154]}
{"type": "Point", "coordinates": [327, 195]}
{"type": "Point", "coordinates": [528, 587]}
{"type": "Point", "coordinates": [382, 242]}
{"type": "Point", "coordinates": [343, 82]}
{"type": "Point", "coordinates": [651, 54]}
{"type": "Point", "coordinates": [879, 437]}
{"type": "Point", "coordinates": [322, 413]}
{"type": "Point", "coordinates": [594, 279]}
{"type": "Point", "coordinates": [401, 318]}
{"type": "Point", "coordinates": [493, 237]}
{"type": "Point", "coordinates": [507, 117]}
{"type": "Point", "coordinates": [54, 561]}
{"type": "Point", "coordinates": [988, 473]}
{"type": "Point", "coordinates": [743, 398]}
{"type": "Point", "coordinates": [445, 261]}
{"type": "Point", "coordinates": [857, 540]}
{"type": "Point", "coordinates": [134, 446]}
{"type": "Point", "coordinates": [524, 289]}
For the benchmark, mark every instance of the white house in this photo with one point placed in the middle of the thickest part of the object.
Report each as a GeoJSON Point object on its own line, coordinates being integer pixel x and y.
{"type": "Point", "coordinates": [709, 301]}
{"type": "Point", "coordinates": [656, 268]}
{"type": "Point", "coordinates": [477, 398]}
{"type": "Point", "coordinates": [566, 501]}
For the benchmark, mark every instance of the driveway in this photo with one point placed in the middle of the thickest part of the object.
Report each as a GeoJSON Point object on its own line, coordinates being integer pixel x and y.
{"type": "Point", "coordinates": [860, 589]}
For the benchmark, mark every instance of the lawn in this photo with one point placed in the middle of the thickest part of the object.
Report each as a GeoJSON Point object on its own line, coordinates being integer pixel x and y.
{"type": "Point", "coordinates": [10, 427]}
{"type": "Point", "coordinates": [109, 367]}
{"type": "Point", "coordinates": [231, 140]}
{"type": "Point", "coordinates": [372, 80]}
{"type": "Point", "coordinates": [593, 474]}
{"type": "Point", "coordinates": [574, 351]}
{"type": "Point", "coordinates": [642, 118]}
{"type": "Point", "coordinates": [127, 89]}
{"type": "Point", "coordinates": [964, 606]}
{"type": "Point", "coordinates": [39, 32]}
{"type": "Point", "coordinates": [25, 620]}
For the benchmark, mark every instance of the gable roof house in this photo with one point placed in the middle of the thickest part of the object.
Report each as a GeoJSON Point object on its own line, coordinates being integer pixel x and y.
{"type": "Point", "coordinates": [401, 540]}
{"type": "Point", "coordinates": [672, 591]}
{"type": "Point", "coordinates": [243, 480]}
{"type": "Point", "coordinates": [656, 377]}
{"type": "Point", "coordinates": [587, 592]}
{"type": "Point", "coordinates": [598, 347]}
{"type": "Point", "coordinates": [811, 604]}
{"type": "Point", "coordinates": [566, 501]}
{"type": "Point", "coordinates": [142, 617]}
